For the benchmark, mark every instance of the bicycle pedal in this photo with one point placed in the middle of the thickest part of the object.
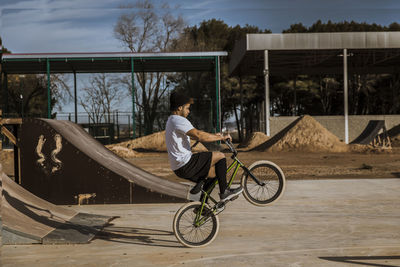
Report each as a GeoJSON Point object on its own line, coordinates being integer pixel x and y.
{"type": "Point", "coordinates": [219, 209]}
{"type": "Point", "coordinates": [220, 205]}
{"type": "Point", "coordinates": [234, 198]}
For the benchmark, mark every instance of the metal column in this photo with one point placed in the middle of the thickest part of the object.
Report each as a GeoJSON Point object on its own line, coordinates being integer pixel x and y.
{"type": "Point", "coordinates": [266, 81]}
{"type": "Point", "coordinates": [75, 99]}
{"type": "Point", "coordinates": [218, 95]}
{"type": "Point", "coordinates": [17, 157]}
{"type": "Point", "coordinates": [2, 92]}
{"type": "Point", "coordinates": [133, 99]}
{"type": "Point", "coordinates": [241, 124]}
{"type": "Point", "coordinates": [48, 90]}
{"type": "Point", "coordinates": [346, 105]}
{"type": "Point", "coordinates": [295, 96]}
{"type": "Point", "coordinates": [5, 93]}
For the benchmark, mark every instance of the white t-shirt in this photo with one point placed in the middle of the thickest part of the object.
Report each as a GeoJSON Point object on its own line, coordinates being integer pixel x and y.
{"type": "Point", "coordinates": [178, 142]}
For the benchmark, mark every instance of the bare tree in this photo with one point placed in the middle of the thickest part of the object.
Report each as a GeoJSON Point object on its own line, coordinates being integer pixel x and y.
{"type": "Point", "coordinates": [60, 90]}
{"type": "Point", "coordinates": [140, 99]}
{"type": "Point", "coordinates": [145, 28]}
{"type": "Point", "coordinates": [363, 87]}
{"type": "Point", "coordinates": [100, 96]}
{"type": "Point", "coordinates": [326, 90]}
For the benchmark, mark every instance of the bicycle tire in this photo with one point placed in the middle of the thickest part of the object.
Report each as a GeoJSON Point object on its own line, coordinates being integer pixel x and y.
{"type": "Point", "coordinates": [194, 237]}
{"type": "Point", "coordinates": [268, 173]}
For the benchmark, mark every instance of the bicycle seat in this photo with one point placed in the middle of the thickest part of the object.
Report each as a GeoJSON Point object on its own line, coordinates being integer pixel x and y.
{"type": "Point", "coordinates": [196, 189]}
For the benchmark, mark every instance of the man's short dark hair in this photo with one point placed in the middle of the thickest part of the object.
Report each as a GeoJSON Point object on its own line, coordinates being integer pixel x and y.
{"type": "Point", "coordinates": [177, 99]}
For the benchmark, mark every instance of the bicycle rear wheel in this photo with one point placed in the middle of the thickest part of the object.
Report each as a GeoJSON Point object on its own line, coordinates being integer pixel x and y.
{"type": "Point", "coordinates": [272, 187]}
{"type": "Point", "coordinates": [190, 234]}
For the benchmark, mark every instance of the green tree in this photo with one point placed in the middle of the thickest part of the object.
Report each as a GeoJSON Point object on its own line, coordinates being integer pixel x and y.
{"type": "Point", "coordinates": [364, 95]}
{"type": "Point", "coordinates": [237, 95]}
{"type": "Point", "coordinates": [27, 93]}
{"type": "Point", "coordinates": [296, 28]}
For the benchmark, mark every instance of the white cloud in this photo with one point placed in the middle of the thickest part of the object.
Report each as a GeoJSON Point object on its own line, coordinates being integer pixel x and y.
{"type": "Point", "coordinates": [60, 4]}
{"type": "Point", "coordinates": [23, 16]}
{"type": "Point", "coordinates": [87, 25]}
{"type": "Point", "coordinates": [61, 38]}
{"type": "Point", "coordinates": [64, 36]}
{"type": "Point", "coordinates": [209, 4]}
{"type": "Point", "coordinates": [57, 27]}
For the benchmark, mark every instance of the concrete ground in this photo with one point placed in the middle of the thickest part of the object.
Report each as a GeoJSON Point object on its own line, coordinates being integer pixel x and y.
{"type": "Point", "coordinates": [315, 223]}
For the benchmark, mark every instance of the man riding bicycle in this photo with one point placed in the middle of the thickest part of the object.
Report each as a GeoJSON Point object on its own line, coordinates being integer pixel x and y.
{"type": "Point", "coordinates": [199, 166]}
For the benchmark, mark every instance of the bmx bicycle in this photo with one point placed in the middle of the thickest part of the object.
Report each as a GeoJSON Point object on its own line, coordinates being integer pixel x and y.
{"type": "Point", "coordinates": [196, 224]}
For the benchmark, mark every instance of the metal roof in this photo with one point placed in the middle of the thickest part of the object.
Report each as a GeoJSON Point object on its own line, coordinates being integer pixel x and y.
{"type": "Point", "coordinates": [34, 63]}
{"type": "Point", "coordinates": [316, 53]}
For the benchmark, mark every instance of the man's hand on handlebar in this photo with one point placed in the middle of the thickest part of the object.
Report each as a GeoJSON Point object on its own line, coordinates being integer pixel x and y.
{"type": "Point", "coordinates": [225, 136]}
{"type": "Point", "coordinates": [228, 142]}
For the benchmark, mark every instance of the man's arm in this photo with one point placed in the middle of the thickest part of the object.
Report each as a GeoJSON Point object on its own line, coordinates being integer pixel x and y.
{"type": "Point", "coordinates": [206, 137]}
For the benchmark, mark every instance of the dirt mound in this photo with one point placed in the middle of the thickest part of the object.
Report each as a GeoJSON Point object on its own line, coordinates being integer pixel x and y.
{"type": "Point", "coordinates": [394, 135]}
{"type": "Point", "coordinates": [366, 149]}
{"type": "Point", "coordinates": [6, 155]}
{"type": "Point", "coordinates": [123, 152]}
{"type": "Point", "coordinates": [154, 142]}
{"type": "Point", "coordinates": [305, 134]}
{"type": "Point", "coordinates": [7, 160]}
{"type": "Point", "coordinates": [395, 141]}
{"type": "Point", "coordinates": [255, 139]}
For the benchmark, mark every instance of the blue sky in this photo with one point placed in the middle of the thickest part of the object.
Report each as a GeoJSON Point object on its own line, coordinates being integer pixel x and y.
{"type": "Point", "coordinates": [33, 26]}
{"type": "Point", "coordinates": [87, 25]}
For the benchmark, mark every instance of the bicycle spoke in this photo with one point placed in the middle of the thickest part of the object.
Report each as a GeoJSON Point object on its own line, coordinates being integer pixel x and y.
{"type": "Point", "coordinates": [192, 233]}
{"type": "Point", "coordinates": [270, 184]}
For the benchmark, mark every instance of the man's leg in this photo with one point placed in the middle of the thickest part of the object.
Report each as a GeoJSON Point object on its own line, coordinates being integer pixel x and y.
{"type": "Point", "coordinates": [218, 169]}
{"type": "Point", "coordinates": [220, 172]}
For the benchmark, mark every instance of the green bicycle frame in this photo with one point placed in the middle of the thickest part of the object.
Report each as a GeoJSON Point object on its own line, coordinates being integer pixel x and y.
{"type": "Point", "coordinates": [235, 165]}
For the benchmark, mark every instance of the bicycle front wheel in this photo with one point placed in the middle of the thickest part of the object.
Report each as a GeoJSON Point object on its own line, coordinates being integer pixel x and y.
{"type": "Point", "coordinates": [193, 230]}
{"type": "Point", "coordinates": [272, 182]}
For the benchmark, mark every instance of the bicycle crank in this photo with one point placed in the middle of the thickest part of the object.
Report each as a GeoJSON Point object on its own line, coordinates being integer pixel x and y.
{"type": "Point", "coordinates": [219, 207]}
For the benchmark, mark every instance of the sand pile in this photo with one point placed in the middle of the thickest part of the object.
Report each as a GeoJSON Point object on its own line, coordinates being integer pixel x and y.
{"type": "Point", "coordinates": [358, 148]}
{"type": "Point", "coordinates": [6, 155]}
{"type": "Point", "coordinates": [394, 135]}
{"type": "Point", "coordinates": [255, 139]}
{"type": "Point", "coordinates": [395, 141]}
{"type": "Point", "coordinates": [305, 134]}
{"type": "Point", "coordinates": [154, 142]}
{"type": "Point", "coordinates": [123, 152]}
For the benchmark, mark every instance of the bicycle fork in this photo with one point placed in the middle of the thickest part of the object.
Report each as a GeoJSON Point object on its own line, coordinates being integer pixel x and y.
{"type": "Point", "coordinates": [248, 172]}
{"type": "Point", "coordinates": [216, 209]}
{"type": "Point", "coordinates": [237, 163]}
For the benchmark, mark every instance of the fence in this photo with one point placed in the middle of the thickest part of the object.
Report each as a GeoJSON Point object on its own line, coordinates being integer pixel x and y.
{"type": "Point", "coordinates": [107, 128]}
{"type": "Point", "coordinates": [117, 126]}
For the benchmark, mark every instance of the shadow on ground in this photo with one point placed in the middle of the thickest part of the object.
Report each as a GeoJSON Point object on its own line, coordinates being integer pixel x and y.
{"type": "Point", "coordinates": [139, 236]}
{"type": "Point", "coordinates": [363, 260]}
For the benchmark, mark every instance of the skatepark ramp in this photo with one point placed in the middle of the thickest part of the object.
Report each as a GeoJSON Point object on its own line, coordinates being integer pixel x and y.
{"type": "Point", "coordinates": [62, 163]}
{"type": "Point", "coordinates": [27, 219]}
{"type": "Point", "coordinates": [374, 134]}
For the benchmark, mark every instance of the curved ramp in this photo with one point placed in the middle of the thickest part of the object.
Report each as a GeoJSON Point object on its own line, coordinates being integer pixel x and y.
{"type": "Point", "coordinates": [27, 219]}
{"type": "Point", "coordinates": [371, 131]}
{"type": "Point", "coordinates": [71, 163]}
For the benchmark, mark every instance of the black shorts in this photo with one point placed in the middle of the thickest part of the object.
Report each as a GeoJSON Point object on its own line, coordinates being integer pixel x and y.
{"type": "Point", "coordinates": [197, 168]}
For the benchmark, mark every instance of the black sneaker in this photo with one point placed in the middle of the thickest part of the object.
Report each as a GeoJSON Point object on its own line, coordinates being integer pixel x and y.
{"type": "Point", "coordinates": [230, 193]}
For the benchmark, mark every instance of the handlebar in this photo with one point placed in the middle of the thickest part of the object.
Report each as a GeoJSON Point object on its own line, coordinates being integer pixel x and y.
{"type": "Point", "coordinates": [228, 142]}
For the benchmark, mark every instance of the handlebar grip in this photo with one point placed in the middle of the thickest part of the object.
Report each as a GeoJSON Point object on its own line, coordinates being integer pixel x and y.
{"type": "Point", "coordinates": [228, 142]}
